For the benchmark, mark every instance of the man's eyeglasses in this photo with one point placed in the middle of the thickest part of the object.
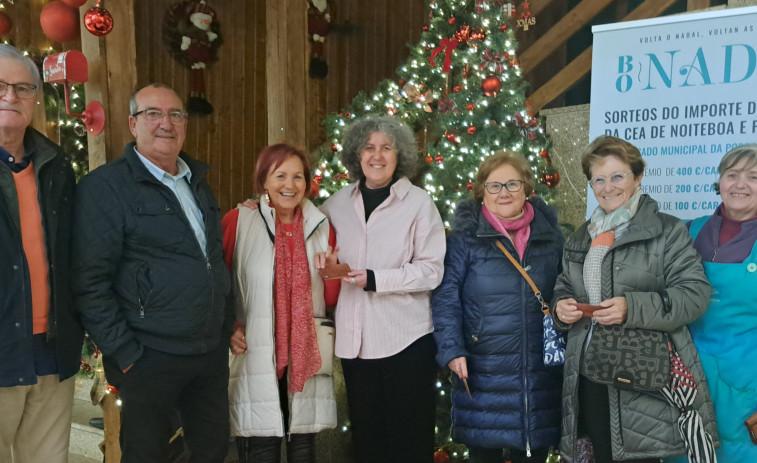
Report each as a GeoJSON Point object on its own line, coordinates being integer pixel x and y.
{"type": "Point", "coordinates": [617, 180]}
{"type": "Point", "coordinates": [21, 90]}
{"type": "Point", "coordinates": [513, 186]}
{"type": "Point", "coordinates": [154, 115]}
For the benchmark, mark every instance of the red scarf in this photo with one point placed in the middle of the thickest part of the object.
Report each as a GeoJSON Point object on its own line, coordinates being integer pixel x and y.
{"type": "Point", "coordinates": [296, 342]}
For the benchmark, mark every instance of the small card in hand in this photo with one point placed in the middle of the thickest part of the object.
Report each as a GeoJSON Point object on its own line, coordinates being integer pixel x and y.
{"type": "Point", "coordinates": [331, 272]}
{"type": "Point", "coordinates": [587, 309]}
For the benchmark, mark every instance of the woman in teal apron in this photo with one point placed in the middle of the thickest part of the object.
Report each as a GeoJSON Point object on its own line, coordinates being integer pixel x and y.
{"type": "Point", "coordinates": [726, 336]}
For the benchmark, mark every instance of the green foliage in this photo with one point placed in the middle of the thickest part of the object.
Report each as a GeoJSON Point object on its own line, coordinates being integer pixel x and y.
{"type": "Point", "coordinates": [71, 131]}
{"type": "Point", "coordinates": [456, 122]}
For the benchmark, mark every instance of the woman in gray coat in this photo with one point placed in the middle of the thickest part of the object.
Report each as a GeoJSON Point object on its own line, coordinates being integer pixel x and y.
{"type": "Point", "coordinates": [639, 266]}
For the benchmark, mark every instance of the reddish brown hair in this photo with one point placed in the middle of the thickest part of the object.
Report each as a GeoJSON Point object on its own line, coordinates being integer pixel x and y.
{"type": "Point", "coordinates": [271, 158]}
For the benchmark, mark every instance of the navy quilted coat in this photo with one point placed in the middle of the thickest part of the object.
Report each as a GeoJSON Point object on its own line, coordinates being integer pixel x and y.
{"type": "Point", "coordinates": [485, 311]}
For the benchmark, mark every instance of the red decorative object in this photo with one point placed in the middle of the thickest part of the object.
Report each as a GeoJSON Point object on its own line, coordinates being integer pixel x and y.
{"type": "Point", "coordinates": [425, 28]}
{"type": "Point", "coordinates": [463, 34]}
{"type": "Point", "coordinates": [446, 45]}
{"type": "Point", "coordinates": [333, 148]}
{"type": "Point", "coordinates": [98, 21]}
{"type": "Point", "coordinates": [469, 185]}
{"type": "Point", "coordinates": [551, 179]}
{"type": "Point", "coordinates": [497, 59]}
{"type": "Point", "coordinates": [457, 88]}
{"type": "Point", "coordinates": [74, 3]}
{"type": "Point", "coordinates": [439, 158]}
{"type": "Point", "coordinates": [477, 34]}
{"type": "Point", "coordinates": [503, 27]}
{"type": "Point", "coordinates": [315, 188]}
{"type": "Point", "coordinates": [429, 159]}
{"type": "Point", "coordinates": [491, 85]}
{"type": "Point", "coordinates": [451, 20]}
{"type": "Point", "coordinates": [5, 23]}
{"type": "Point", "coordinates": [440, 456]}
{"type": "Point", "coordinates": [545, 155]}
{"type": "Point", "coordinates": [318, 179]}
{"type": "Point", "coordinates": [59, 22]}
{"type": "Point", "coordinates": [466, 71]}
{"type": "Point", "coordinates": [451, 137]}
{"type": "Point", "coordinates": [469, 106]}
{"type": "Point", "coordinates": [471, 130]}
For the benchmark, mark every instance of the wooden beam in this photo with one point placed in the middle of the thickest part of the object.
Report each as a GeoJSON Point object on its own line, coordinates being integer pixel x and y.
{"type": "Point", "coordinates": [692, 5]}
{"type": "Point", "coordinates": [574, 20]}
{"type": "Point", "coordinates": [112, 426]}
{"type": "Point", "coordinates": [581, 65]}
{"type": "Point", "coordinates": [286, 70]}
{"type": "Point", "coordinates": [537, 6]}
{"type": "Point", "coordinates": [112, 78]}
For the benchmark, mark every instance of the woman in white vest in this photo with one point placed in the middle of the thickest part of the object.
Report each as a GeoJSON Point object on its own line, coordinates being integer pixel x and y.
{"type": "Point", "coordinates": [275, 388]}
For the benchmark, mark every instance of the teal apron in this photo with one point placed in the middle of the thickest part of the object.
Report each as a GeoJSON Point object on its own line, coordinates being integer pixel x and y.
{"type": "Point", "coordinates": [726, 338]}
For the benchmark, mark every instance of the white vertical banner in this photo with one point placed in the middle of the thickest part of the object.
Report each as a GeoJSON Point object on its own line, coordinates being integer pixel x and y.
{"type": "Point", "coordinates": [683, 89]}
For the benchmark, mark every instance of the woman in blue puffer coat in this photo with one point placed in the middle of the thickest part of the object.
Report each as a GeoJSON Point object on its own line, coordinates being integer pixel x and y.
{"type": "Point", "coordinates": [488, 322]}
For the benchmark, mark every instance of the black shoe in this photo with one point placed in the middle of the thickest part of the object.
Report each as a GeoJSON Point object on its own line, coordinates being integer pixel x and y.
{"type": "Point", "coordinates": [97, 423]}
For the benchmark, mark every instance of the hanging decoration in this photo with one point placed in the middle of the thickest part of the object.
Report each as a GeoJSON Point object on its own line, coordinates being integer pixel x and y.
{"type": "Point", "coordinates": [98, 21]}
{"type": "Point", "coordinates": [5, 23]}
{"type": "Point", "coordinates": [59, 22]}
{"type": "Point", "coordinates": [526, 18]}
{"type": "Point", "coordinates": [491, 85]}
{"type": "Point", "coordinates": [318, 28]}
{"type": "Point", "coordinates": [528, 128]}
{"type": "Point", "coordinates": [192, 34]}
{"type": "Point", "coordinates": [551, 179]}
{"type": "Point", "coordinates": [447, 46]}
{"type": "Point", "coordinates": [497, 59]}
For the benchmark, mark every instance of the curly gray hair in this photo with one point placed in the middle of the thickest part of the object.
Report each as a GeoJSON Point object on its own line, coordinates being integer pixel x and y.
{"type": "Point", "coordinates": [11, 52]}
{"type": "Point", "coordinates": [357, 134]}
{"type": "Point", "coordinates": [734, 156]}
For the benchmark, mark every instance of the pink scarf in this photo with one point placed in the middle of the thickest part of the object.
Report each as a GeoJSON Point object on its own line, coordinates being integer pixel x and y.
{"type": "Point", "coordinates": [520, 226]}
{"type": "Point", "coordinates": [296, 342]}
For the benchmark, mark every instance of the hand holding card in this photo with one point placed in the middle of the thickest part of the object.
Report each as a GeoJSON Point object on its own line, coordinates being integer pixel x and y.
{"type": "Point", "coordinates": [331, 272]}
{"type": "Point", "coordinates": [587, 309]}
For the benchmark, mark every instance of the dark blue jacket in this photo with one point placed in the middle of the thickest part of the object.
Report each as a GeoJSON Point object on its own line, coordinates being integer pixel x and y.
{"type": "Point", "coordinates": [55, 185]}
{"type": "Point", "coordinates": [484, 310]}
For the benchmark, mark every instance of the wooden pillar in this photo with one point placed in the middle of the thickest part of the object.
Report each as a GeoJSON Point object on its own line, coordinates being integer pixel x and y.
{"type": "Point", "coordinates": [286, 70]}
{"type": "Point", "coordinates": [112, 78]}
{"type": "Point", "coordinates": [692, 5]}
{"type": "Point", "coordinates": [112, 425]}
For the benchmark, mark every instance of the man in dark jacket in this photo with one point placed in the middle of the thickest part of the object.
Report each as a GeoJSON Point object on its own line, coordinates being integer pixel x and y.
{"type": "Point", "coordinates": [151, 285]}
{"type": "Point", "coordinates": [40, 339]}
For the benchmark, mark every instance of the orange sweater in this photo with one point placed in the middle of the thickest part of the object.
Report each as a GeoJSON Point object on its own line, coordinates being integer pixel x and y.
{"type": "Point", "coordinates": [34, 245]}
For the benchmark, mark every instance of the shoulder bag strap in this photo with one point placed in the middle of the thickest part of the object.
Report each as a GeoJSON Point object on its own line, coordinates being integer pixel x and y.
{"type": "Point", "coordinates": [537, 293]}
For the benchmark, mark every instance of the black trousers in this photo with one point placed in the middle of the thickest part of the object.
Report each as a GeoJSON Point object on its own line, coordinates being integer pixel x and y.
{"type": "Point", "coordinates": [392, 404]}
{"type": "Point", "coordinates": [159, 386]}
{"type": "Point", "coordinates": [594, 421]}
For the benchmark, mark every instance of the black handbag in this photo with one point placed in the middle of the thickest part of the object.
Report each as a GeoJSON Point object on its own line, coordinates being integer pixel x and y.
{"type": "Point", "coordinates": [628, 358]}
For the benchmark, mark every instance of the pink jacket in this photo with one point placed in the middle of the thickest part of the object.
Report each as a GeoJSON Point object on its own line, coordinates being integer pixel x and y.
{"type": "Point", "coordinates": [403, 242]}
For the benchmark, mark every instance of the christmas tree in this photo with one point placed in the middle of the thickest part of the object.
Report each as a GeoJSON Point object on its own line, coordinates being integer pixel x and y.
{"type": "Point", "coordinates": [463, 93]}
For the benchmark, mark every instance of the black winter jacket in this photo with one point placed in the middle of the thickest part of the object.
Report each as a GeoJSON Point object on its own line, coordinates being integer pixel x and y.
{"type": "Point", "coordinates": [140, 276]}
{"type": "Point", "coordinates": [55, 184]}
{"type": "Point", "coordinates": [485, 311]}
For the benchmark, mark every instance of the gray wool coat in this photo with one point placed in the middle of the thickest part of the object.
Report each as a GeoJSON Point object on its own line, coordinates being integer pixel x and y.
{"type": "Point", "coordinates": [654, 256]}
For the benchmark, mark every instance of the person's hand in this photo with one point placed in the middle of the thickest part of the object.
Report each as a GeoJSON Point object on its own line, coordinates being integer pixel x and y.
{"type": "Point", "coordinates": [614, 311]}
{"type": "Point", "coordinates": [460, 366]}
{"type": "Point", "coordinates": [567, 312]}
{"type": "Point", "coordinates": [358, 278]}
{"type": "Point", "coordinates": [238, 343]}
{"type": "Point", "coordinates": [324, 259]}
{"type": "Point", "coordinates": [250, 204]}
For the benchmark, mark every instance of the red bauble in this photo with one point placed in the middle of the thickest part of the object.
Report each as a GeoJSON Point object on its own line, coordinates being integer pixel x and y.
{"type": "Point", "coordinates": [429, 159]}
{"type": "Point", "coordinates": [74, 3]}
{"type": "Point", "coordinates": [439, 158]}
{"type": "Point", "coordinates": [471, 130]}
{"type": "Point", "coordinates": [451, 137]}
{"type": "Point", "coordinates": [503, 27]}
{"type": "Point", "coordinates": [425, 28]}
{"type": "Point", "coordinates": [451, 20]}
{"type": "Point", "coordinates": [477, 34]}
{"type": "Point", "coordinates": [98, 21]}
{"type": "Point", "coordinates": [469, 106]}
{"type": "Point", "coordinates": [333, 148]}
{"type": "Point", "coordinates": [469, 185]}
{"type": "Point", "coordinates": [491, 85]}
{"type": "Point", "coordinates": [440, 456]}
{"type": "Point", "coordinates": [59, 22]}
{"type": "Point", "coordinates": [545, 154]}
{"type": "Point", "coordinates": [318, 179]}
{"type": "Point", "coordinates": [457, 88]}
{"type": "Point", "coordinates": [550, 179]}
{"type": "Point", "coordinates": [5, 23]}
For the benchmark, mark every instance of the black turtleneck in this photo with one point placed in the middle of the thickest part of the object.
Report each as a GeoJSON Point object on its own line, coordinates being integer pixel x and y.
{"type": "Point", "coordinates": [373, 197]}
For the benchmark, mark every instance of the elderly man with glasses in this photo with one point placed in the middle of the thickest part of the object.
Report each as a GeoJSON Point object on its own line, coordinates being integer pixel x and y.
{"type": "Point", "coordinates": [40, 338]}
{"type": "Point", "coordinates": [151, 285]}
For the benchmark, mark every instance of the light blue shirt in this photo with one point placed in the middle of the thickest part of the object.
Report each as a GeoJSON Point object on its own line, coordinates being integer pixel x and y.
{"type": "Point", "coordinates": [179, 184]}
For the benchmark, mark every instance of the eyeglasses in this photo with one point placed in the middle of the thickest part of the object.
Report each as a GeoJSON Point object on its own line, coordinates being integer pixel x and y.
{"type": "Point", "coordinates": [154, 115]}
{"type": "Point", "coordinates": [617, 179]}
{"type": "Point", "coordinates": [513, 186]}
{"type": "Point", "coordinates": [21, 90]}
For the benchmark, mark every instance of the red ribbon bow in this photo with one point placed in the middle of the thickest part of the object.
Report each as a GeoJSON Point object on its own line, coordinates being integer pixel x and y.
{"type": "Point", "coordinates": [446, 45]}
{"type": "Point", "coordinates": [498, 59]}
